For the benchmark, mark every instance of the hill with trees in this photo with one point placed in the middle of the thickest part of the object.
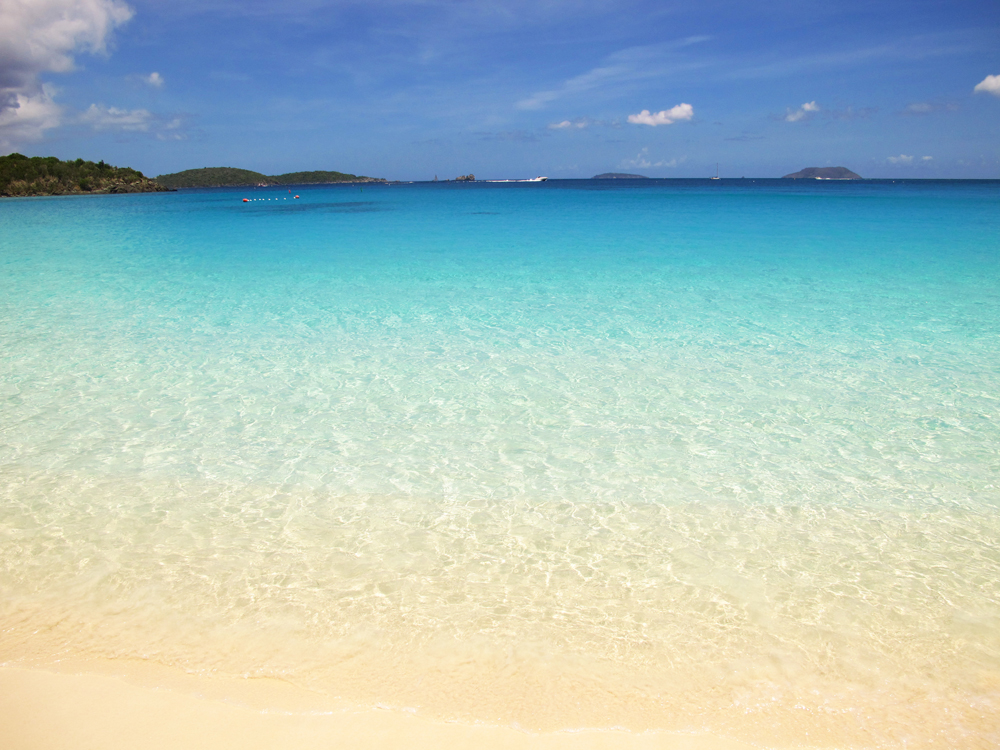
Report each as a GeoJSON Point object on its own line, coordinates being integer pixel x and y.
{"type": "Point", "coordinates": [823, 173]}
{"type": "Point", "coordinates": [46, 175]}
{"type": "Point", "coordinates": [212, 177]}
{"type": "Point", "coordinates": [320, 178]}
{"type": "Point", "coordinates": [233, 177]}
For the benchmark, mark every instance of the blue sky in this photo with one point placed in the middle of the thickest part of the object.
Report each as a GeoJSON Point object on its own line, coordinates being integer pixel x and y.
{"type": "Point", "coordinates": [410, 89]}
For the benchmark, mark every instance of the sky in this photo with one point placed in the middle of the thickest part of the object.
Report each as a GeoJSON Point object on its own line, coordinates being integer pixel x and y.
{"type": "Point", "coordinates": [412, 89]}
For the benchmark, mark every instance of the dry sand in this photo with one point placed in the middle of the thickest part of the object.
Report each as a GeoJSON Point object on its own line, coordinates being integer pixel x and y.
{"type": "Point", "coordinates": [114, 706]}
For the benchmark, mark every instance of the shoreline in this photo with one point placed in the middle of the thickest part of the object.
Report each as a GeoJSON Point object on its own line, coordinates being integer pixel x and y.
{"type": "Point", "coordinates": [539, 668]}
{"type": "Point", "coordinates": [61, 698]}
{"type": "Point", "coordinates": [143, 706]}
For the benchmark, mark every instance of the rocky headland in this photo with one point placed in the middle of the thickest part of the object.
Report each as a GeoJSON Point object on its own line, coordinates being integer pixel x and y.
{"type": "Point", "coordinates": [22, 176]}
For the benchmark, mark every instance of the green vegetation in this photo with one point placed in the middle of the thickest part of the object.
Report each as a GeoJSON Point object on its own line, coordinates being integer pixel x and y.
{"type": "Point", "coordinates": [47, 175]}
{"type": "Point", "coordinates": [212, 177]}
{"type": "Point", "coordinates": [21, 175]}
{"type": "Point", "coordinates": [229, 176]}
{"type": "Point", "coordinates": [319, 178]}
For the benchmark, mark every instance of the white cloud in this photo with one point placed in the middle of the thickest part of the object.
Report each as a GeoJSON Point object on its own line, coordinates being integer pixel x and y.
{"type": "Point", "coordinates": [100, 117]}
{"type": "Point", "coordinates": [919, 108]}
{"type": "Point", "coordinates": [989, 85]}
{"type": "Point", "coordinates": [664, 117]}
{"type": "Point", "coordinates": [642, 161]}
{"type": "Point", "coordinates": [154, 79]}
{"type": "Point", "coordinates": [28, 117]}
{"type": "Point", "coordinates": [906, 160]}
{"type": "Point", "coordinates": [802, 112]}
{"type": "Point", "coordinates": [579, 123]}
{"type": "Point", "coordinates": [41, 36]}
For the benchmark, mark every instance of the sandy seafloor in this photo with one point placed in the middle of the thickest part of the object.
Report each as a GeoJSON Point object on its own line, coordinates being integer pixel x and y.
{"type": "Point", "coordinates": [673, 464]}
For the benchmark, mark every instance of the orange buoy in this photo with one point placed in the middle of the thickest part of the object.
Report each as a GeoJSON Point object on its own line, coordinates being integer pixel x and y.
{"type": "Point", "coordinates": [296, 196]}
{"type": "Point", "coordinates": [246, 200]}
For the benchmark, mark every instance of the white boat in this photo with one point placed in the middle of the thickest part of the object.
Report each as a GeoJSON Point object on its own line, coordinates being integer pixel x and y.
{"type": "Point", "coordinates": [716, 172]}
{"type": "Point", "coordinates": [533, 179]}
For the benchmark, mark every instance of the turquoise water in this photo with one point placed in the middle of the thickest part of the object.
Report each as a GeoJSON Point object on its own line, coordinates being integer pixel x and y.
{"type": "Point", "coordinates": [682, 455]}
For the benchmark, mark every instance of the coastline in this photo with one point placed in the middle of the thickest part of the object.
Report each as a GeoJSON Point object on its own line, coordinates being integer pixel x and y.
{"type": "Point", "coordinates": [144, 706]}
{"type": "Point", "coordinates": [53, 696]}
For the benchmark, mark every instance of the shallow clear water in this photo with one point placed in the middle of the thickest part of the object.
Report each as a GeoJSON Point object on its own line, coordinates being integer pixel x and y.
{"type": "Point", "coordinates": [671, 455]}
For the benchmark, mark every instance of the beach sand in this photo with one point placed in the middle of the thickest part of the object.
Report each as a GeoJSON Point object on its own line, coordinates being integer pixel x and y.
{"type": "Point", "coordinates": [113, 706]}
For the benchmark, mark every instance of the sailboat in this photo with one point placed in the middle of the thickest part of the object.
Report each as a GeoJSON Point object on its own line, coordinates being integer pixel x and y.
{"type": "Point", "coordinates": [716, 171]}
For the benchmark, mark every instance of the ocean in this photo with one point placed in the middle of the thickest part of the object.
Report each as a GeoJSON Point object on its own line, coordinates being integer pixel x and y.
{"type": "Point", "coordinates": [695, 456]}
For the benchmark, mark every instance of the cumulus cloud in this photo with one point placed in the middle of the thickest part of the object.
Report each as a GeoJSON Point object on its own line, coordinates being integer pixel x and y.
{"type": "Point", "coordinates": [664, 117]}
{"type": "Point", "coordinates": [100, 117]}
{"type": "Point", "coordinates": [28, 116]}
{"type": "Point", "coordinates": [154, 79]}
{"type": "Point", "coordinates": [42, 36]}
{"type": "Point", "coordinates": [803, 112]}
{"type": "Point", "coordinates": [989, 85]}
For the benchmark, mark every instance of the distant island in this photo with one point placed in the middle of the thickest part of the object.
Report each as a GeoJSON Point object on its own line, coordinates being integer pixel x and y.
{"type": "Point", "coordinates": [22, 176]}
{"type": "Point", "coordinates": [232, 177]}
{"type": "Point", "coordinates": [823, 173]}
{"type": "Point", "coordinates": [619, 176]}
